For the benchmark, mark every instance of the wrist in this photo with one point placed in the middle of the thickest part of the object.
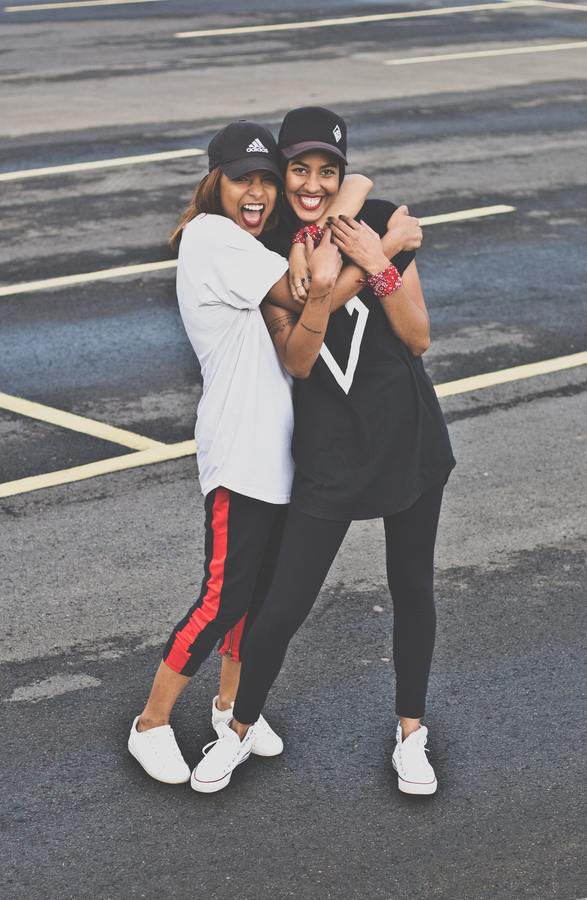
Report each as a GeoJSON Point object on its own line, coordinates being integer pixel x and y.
{"type": "Point", "coordinates": [385, 282]}
{"type": "Point", "coordinates": [376, 265]}
{"type": "Point", "coordinates": [314, 231]}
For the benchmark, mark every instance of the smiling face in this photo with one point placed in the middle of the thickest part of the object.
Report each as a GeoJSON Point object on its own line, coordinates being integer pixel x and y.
{"type": "Point", "coordinates": [312, 181]}
{"type": "Point", "coordinates": [249, 200]}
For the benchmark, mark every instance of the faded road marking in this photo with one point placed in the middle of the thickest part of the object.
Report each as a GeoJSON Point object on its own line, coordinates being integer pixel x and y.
{"type": "Point", "coordinates": [52, 687]}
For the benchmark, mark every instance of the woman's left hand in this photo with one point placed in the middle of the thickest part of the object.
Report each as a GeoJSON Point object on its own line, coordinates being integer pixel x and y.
{"type": "Point", "coordinates": [359, 242]}
{"type": "Point", "coordinates": [299, 273]}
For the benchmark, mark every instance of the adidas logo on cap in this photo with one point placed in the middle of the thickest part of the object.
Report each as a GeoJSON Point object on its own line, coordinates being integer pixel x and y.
{"type": "Point", "coordinates": [257, 146]}
{"type": "Point", "coordinates": [337, 133]}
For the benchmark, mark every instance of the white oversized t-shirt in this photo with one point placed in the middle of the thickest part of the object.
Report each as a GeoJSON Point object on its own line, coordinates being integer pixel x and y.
{"type": "Point", "coordinates": [245, 417]}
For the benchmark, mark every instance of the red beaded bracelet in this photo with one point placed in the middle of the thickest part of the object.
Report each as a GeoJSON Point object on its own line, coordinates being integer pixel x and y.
{"type": "Point", "coordinates": [315, 231]}
{"type": "Point", "coordinates": [384, 283]}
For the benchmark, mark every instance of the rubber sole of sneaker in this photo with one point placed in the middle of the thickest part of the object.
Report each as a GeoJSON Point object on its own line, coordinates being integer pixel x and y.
{"type": "Point", "coordinates": [256, 752]}
{"type": "Point", "coordinates": [158, 777]}
{"type": "Point", "coordinates": [416, 788]}
{"type": "Point", "coordinates": [210, 787]}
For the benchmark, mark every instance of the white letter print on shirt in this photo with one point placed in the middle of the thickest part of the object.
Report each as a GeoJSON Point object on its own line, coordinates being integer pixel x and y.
{"type": "Point", "coordinates": [345, 379]}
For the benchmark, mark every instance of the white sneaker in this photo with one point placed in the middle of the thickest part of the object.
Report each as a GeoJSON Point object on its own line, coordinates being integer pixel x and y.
{"type": "Point", "coordinates": [157, 752]}
{"type": "Point", "coordinates": [221, 758]}
{"type": "Point", "coordinates": [266, 743]}
{"type": "Point", "coordinates": [415, 775]}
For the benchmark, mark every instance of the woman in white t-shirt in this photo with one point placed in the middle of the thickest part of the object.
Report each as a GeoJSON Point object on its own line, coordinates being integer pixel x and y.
{"type": "Point", "coordinates": [245, 418]}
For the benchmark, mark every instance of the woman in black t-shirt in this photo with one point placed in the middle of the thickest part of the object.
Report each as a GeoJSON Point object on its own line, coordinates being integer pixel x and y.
{"type": "Point", "coordinates": [369, 441]}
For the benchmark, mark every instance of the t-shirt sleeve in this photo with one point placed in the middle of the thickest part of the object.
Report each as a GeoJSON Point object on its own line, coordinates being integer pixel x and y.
{"type": "Point", "coordinates": [225, 264]}
{"type": "Point", "coordinates": [376, 214]}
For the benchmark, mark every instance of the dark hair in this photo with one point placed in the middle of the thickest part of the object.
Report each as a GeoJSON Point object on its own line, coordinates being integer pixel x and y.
{"type": "Point", "coordinates": [206, 199]}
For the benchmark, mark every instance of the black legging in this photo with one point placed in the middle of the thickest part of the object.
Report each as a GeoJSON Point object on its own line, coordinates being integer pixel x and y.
{"type": "Point", "coordinates": [307, 551]}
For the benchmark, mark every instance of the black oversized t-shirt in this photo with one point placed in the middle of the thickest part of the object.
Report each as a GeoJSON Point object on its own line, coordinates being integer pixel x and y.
{"type": "Point", "coordinates": [369, 435]}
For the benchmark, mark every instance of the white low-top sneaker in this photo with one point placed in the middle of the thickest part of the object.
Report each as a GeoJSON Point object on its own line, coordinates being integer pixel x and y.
{"type": "Point", "coordinates": [221, 758]}
{"type": "Point", "coordinates": [266, 743]}
{"type": "Point", "coordinates": [415, 775]}
{"type": "Point", "coordinates": [157, 752]}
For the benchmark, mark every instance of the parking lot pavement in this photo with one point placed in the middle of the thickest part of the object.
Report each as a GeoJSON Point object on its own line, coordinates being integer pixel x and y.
{"type": "Point", "coordinates": [115, 107]}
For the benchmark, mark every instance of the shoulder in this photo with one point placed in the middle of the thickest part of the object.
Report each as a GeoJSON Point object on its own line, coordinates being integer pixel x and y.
{"type": "Point", "coordinates": [209, 230]}
{"type": "Point", "coordinates": [376, 213]}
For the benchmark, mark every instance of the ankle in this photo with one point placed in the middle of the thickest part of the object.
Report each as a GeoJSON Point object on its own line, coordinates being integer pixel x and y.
{"type": "Point", "coordinates": [145, 723]}
{"type": "Point", "coordinates": [408, 726]}
{"type": "Point", "coordinates": [240, 729]}
{"type": "Point", "coordinates": [224, 702]}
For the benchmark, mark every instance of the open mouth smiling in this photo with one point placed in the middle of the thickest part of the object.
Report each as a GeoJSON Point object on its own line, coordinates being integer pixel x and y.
{"type": "Point", "coordinates": [309, 202]}
{"type": "Point", "coordinates": [252, 214]}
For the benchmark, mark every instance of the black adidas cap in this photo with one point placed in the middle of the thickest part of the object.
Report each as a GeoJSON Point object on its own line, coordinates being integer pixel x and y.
{"type": "Point", "coordinates": [244, 147]}
{"type": "Point", "coordinates": [312, 128]}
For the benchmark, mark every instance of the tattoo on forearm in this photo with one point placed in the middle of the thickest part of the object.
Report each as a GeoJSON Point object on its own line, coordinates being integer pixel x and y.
{"type": "Point", "coordinates": [280, 324]}
{"type": "Point", "coordinates": [311, 330]}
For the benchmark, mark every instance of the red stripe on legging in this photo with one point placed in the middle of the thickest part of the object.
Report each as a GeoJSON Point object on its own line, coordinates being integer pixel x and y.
{"type": "Point", "coordinates": [231, 646]}
{"type": "Point", "coordinates": [207, 611]}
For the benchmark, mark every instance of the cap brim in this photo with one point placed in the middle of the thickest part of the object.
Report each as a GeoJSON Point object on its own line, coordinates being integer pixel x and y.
{"type": "Point", "coordinates": [253, 163]}
{"type": "Point", "coordinates": [297, 149]}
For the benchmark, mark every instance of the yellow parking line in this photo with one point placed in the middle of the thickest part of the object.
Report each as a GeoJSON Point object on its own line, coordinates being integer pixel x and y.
{"type": "Point", "coordinates": [478, 54]}
{"type": "Point", "coordinates": [352, 20]}
{"type": "Point", "coordinates": [162, 453]}
{"type": "Point", "coordinates": [166, 452]}
{"type": "Point", "coordinates": [76, 423]}
{"type": "Point", "coordinates": [45, 284]}
{"type": "Point", "coordinates": [73, 4]}
{"type": "Point", "coordinates": [114, 162]}
{"type": "Point", "coordinates": [517, 373]}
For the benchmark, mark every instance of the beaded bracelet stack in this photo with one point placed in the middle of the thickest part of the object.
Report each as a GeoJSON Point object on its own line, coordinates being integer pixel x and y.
{"type": "Point", "coordinates": [314, 231]}
{"type": "Point", "coordinates": [384, 283]}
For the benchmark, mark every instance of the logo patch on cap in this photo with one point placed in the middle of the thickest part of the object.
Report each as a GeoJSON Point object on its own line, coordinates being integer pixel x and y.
{"type": "Point", "coordinates": [257, 146]}
{"type": "Point", "coordinates": [337, 133]}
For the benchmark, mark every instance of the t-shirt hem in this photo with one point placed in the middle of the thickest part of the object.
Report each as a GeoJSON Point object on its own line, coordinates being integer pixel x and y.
{"type": "Point", "coordinates": [246, 491]}
{"type": "Point", "coordinates": [352, 515]}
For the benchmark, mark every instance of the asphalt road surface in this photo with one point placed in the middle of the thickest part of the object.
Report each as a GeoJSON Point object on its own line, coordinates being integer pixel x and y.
{"type": "Point", "coordinates": [97, 570]}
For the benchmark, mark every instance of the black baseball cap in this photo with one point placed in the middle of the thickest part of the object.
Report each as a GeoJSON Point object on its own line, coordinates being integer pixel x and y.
{"type": "Point", "coordinates": [244, 147]}
{"type": "Point", "coordinates": [312, 128]}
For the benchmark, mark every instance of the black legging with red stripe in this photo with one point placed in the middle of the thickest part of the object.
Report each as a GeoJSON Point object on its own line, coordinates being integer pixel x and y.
{"type": "Point", "coordinates": [307, 551]}
{"type": "Point", "coordinates": [241, 545]}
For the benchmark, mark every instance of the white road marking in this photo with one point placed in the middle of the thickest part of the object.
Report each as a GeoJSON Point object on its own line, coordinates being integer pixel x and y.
{"type": "Point", "coordinates": [478, 54]}
{"type": "Point", "coordinates": [462, 215]}
{"type": "Point", "coordinates": [63, 419]}
{"type": "Point", "coordinates": [104, 467]}
{"type": "Point", "coordinates": [554, 5]}
{"type": "Point", "coordinates": [51, 687]}
{"type": "Point", "coordinates": [45, 284]}
{"type": "Point", "coordinates": [186, 448]}
{"type": "Point", "coordinates": [73, 4]}
{"type": "Point", "coordinates": [100, 275]}
{"type": "Point", "coordinates": [352, 20]}
{"type": "Point", "coordinates": [116, 161]}
{"type": "Point", "coordinates": [517, 373]}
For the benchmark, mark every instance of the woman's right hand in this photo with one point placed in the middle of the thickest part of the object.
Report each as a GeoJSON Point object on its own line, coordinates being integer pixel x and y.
{"type": "Point", "coordinates": [299, 281]}
{"type": "Point", "coordinates": [403, 231]}
{"type": "Point", "coordinates": [324, 263]}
